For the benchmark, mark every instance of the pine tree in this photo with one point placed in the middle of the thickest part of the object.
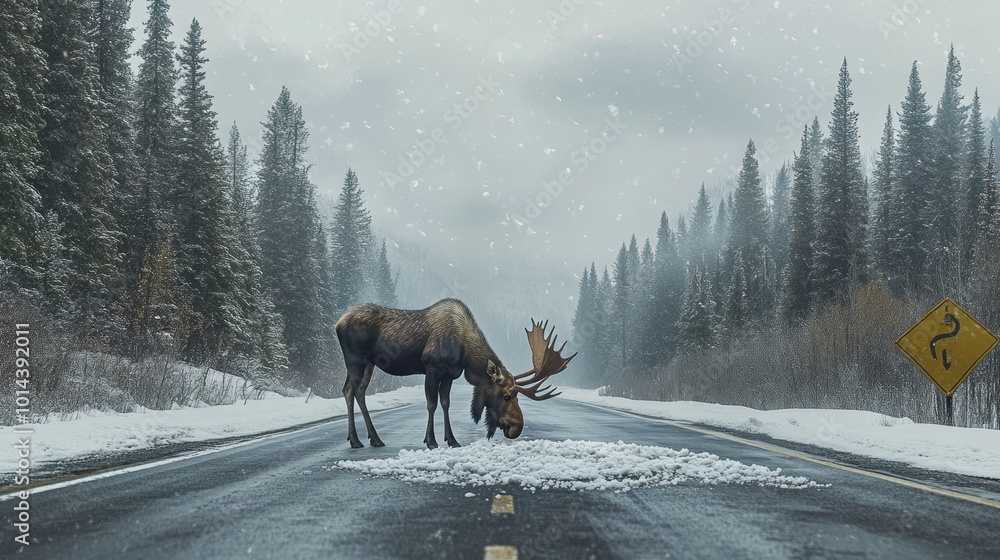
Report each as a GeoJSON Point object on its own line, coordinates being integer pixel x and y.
{"type": "Point", "coordinates": [975, 180]}
{"type": "Point", "coordinates": [883, 196]}
{"type": "Point", "coordinates": [802, 236]}
{"type": "Point", "coordinates": [351, 245]}
{"type": "Point", "coordinates": [988, 235]}
{"type": "Point", "coordinates": [912, 176]}
{"type": "Point", "coordinates": [749, 233]}
{"type": "Point", "coordinates": [817, 149]}
{"type": "Point", "coordinates": [779, 218]}
{"type": "Point", "coordinates": [945, 191]}
{"type": "Point", "coordinates": [701, 227]}
{"type": "Point", "coordinates": [841, 253]}
{"type": "Point", "coordinates": [385, 286]}
{"type": "Point", "coordinates": [150, 226]}
{"type": "Point", "coordinates": [697, 322]}
{"type": "Point", "coordinates": [622, 316]}
{"type": "Point", "coordinates": [720, 230]}
{"type": "Point", "coordinates": [292, 246]}
{"type": "Point", "coordinates": [666, 294]}
{"type": "Point", "coordinates": [77, 177]}
{"type": "Point", "coordinates": [737, 308]}
{"type": "Point", "coordinates": [22, 74]}
{"type": "Point", "coordinates": [112, 43]}
{"type": "Point", "coordinates": [210, 256]}
{"type": "Point", "coordinates": [267, 351]}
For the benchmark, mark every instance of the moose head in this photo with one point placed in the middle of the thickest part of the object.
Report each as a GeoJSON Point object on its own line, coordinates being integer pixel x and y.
{"type": "Point", "coordinates": [498, 396]}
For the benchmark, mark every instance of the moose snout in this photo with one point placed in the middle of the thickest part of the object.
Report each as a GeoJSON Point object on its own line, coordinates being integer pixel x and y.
{"type": "Point", "coordinates": [511, 431]}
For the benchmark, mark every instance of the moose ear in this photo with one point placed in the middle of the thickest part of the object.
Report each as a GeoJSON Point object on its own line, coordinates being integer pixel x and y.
{"type": "Point", "coordinates": [493, 371]}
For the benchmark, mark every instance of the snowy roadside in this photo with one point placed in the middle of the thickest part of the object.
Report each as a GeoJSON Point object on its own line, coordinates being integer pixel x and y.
{"type": "Point", "coordinates": [966, 451]}
{"type": "Point", "coordinates": [104, 433]}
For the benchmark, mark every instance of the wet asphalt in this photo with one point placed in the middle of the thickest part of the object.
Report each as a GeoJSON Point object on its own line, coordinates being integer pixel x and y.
{"type": "Point", "coordinates": [278, 498]}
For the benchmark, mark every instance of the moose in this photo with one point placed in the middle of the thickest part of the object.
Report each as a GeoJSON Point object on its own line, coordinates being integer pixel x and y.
{"type": "Point", "coordinates": [441, 342]}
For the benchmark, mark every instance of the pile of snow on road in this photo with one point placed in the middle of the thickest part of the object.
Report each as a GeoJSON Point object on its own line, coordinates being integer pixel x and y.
{"type": "Point", "coordinates": [574, 465]}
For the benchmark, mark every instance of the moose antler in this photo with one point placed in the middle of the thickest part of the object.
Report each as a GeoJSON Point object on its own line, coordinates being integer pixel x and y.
{"type": "Point", "coordinates": [547, 361]}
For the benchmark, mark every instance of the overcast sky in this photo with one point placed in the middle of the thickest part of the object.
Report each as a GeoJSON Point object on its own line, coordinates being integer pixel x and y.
{"type": "Point", "coordinates": [507, 96]}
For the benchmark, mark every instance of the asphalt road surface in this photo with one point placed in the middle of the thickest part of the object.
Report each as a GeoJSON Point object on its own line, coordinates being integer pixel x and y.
{"type": "Point", "coordinates": [278, 498]}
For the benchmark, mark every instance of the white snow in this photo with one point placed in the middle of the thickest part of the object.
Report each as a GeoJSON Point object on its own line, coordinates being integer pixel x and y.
{"type": "Point", "coordinates": [575, 465]}
{"type": "Point", "coordinates": [967, 451]}
{"type": "Point", "coordinates": [103, 433]}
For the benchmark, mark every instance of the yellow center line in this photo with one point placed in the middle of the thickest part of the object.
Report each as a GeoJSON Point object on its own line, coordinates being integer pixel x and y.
{"type": "Point", "coordinates": [881, 476]}
{"type": "Point", "coordinates": [500, 553]}
{"type": "Point", "coordinates": [502, 504]}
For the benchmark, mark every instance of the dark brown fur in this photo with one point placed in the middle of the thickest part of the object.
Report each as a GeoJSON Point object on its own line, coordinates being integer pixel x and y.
{"type": "Point", "coordinates": [440, 342]}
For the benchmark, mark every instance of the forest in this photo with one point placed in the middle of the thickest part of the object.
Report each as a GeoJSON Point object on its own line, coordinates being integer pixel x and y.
{"type": "Point", "coordinates": [793, 297]}
{"type": "Point", "coordinates": [131, 237]}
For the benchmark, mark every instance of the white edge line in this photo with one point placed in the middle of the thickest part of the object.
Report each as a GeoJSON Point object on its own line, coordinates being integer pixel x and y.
{"type": "Point", "coordinates": [136, 468]}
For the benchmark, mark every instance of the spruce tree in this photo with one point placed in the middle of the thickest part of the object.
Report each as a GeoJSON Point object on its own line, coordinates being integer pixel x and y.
{"type": "Point", "coordinates": [701, 227]}
{"type": "Point", "coordinates": [817, 148]}
{"type": "Point", "coordinates": [697, 322]}
{"type": "Point", "coordinates": [77, 177]}
{"type": "Point", "coordinates": [210, 255]}
{"type": "Point", "coordinates": [385, 286]}
{"type": "Point", "coordinates": [622, 295]}
{"type": "Point", "coordinates": [267, 355]}
{"type": "Point", "coordinates": [883, 196]}
{"type": "Point", "coordinates": [22, 74]}
{"type": "Point", "coordinates": [666, 293]}
{"type": "Point", "coordinates": [975, 170]}
{"type": "Point", "coordinates": [749, 233]}
{"type": "Point", "coordinates": [779, 218]}
{"type": "Point", "coordinates": [988, 234]}
{"type": "Point", "coordinates": [720, 229]}
{"type": "Point", "coordinates": [842, 209]}
{"type": "Point", "coordinates": [150, 226]}
{"type": "Point", "coordinates": [802, 236]}
{"type": "Point", "coordinates": [737, 307]}
{"type": "Point", "coordinates": [291, 242]}
{"type": "Point", "coordinates": [945, 190]}
{"type": "Point", "coordinates": [912, 177]}
{"type": "Point", "coordinates": [351, 247]}
{"type": "Point", "coordinates": [112, 43]}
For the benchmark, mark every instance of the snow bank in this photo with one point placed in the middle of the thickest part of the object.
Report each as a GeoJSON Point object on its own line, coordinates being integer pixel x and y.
{"type": "Point", "coordinates": [104, 433]}
{"type": "Point", "coordinates": [968, 451]}
{"type": "Point", "coordinates": [573, 465]}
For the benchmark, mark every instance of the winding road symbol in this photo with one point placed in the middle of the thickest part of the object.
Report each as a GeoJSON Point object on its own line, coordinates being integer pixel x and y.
{"type": "Point", "coordinates": [949, 320]}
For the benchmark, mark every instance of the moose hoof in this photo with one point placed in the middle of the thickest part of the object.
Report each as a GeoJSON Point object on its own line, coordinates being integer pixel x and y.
{"type": "Point", "coordinates": [431, 444]}
{"type": "Point", "coordinates": [376, 442]}
{"type": "Point", "coordinates": [454, 443]}
{"type": "Point", "coordinates": [356, 444]}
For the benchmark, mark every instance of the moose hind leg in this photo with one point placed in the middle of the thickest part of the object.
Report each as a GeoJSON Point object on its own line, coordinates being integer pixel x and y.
{"type": "Point", "coordinates": [352, 432]}
{"type": "Point", "coordinates": [431, 384]}
{"type": "Point", "coordinates": [444, 392]}
{"type": "Point", "coordinates": [360, 395]}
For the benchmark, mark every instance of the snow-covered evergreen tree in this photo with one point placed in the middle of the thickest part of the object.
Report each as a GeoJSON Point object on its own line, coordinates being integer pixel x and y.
{"type": "Point", "coordinates": [975, 170]}
{"type": "Point", "coordinates": [77, 177]}
{"type": "Point", "coordinates": [946, 189]}
{"type": "Point", "coordinates": [883, 197]}
{"type": "Point", "coordinates": [150, 226]}
{"type": "Point", "coordinates": [291, 243]}
{"type": "Point", "coordinates": [22, 74]}
{"type": "Point", "coordinates": [842, 204]}
{"type": "Point", "coordinates": [701, 228]}
{"type": "Point", "coordinates": [802, 236]}
{"type": "Point", "coordinates": [352, 245]}
{"type": "Point", "coordinates": [779, 218]}
{"type": "Point", "coordinates": [210, 255]}
{"type": "Point", "coordinates": [912, 176]}
{"type": "Point", "coordinates": [748, 236]}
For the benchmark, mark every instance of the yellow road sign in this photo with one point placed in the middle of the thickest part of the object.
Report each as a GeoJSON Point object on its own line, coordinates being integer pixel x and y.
{"type": "Point", "coordinates": [947, 344]}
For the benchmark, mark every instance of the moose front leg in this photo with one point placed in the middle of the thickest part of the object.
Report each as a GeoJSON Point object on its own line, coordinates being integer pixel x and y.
{"type": "Point", "coordinates": [445, 393]}
{"type": "Point", "coordinates": [431, 385]}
